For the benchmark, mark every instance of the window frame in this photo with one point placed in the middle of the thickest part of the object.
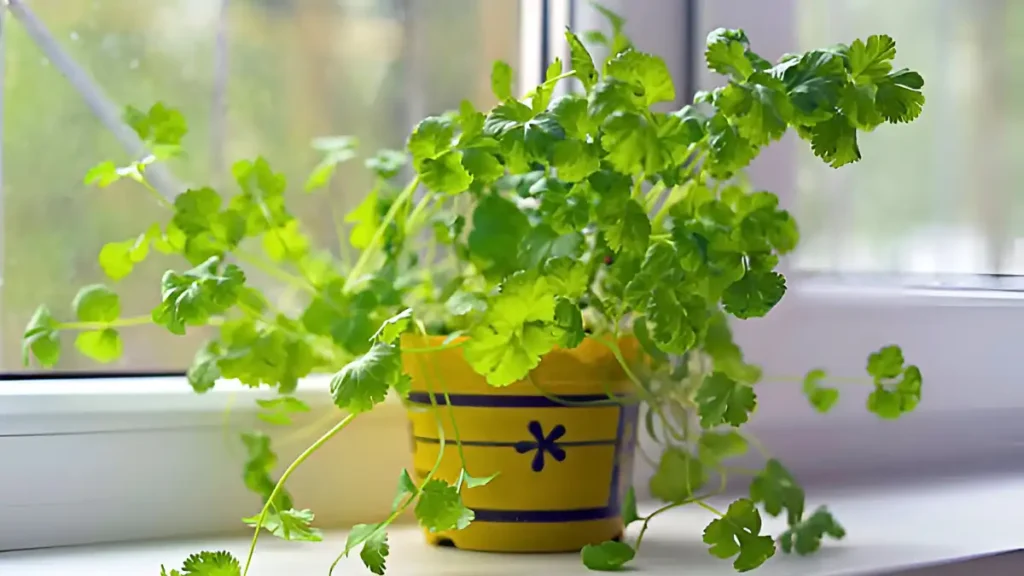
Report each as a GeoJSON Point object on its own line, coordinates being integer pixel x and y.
{"type": "Point", "coordinates": [139, 448]}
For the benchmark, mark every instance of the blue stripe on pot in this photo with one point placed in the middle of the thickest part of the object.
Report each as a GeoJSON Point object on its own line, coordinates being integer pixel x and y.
{"type": "Point", "coordinates": [624, 442]}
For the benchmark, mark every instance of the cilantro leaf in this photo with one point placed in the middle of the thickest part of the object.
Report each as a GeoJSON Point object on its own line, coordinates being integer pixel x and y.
{"type": "Point", "coordinates": [806, 536]}
{"type": "Point", "coordinates": [835, 141]}
{"type": "Point", "coordinates": [738, 533]}
{"type": "Point", "coordinates": [629, 511]}
{"type": "Point", "coordinates": [336, 149]}
{"type": "Point", "coordinates": [498, 227]}
{"type": "Point", "coordinates": [899, 98]}
{"type": "Point", "coordinates": [516, 330]}
{"type": "Point", "coordinates": [755, 294]}
{"type": "Point", "coordinates": [631, 231]}
{"type": "Point", "coordinates": [890, 401]}
{"type": "Point", "coordinates": [722, 400]}
{"type": "Point", "coordinates": [813, 82]}
{"type": "Point", "coordinates": [567, 276]}
{"type": "Point", "coordinates": [887, 362]}
{"type": "Point", "coordinates": [569, 320]}
{"type": "Point", "coordinates": [574, 160]}
{"type": "Point", "coordinates": [364, 382]}
{"type": "Point", "coordinates": [726, 53]}
{"type": "Point", "coordinates": [570, 112]}
{"type": "Point", "coordinates": [607, 556]}
{"type": "Point", "coordinates": [474, 482]}
{"type": "Point", "coordinates": [103, 346]}
{"type": "Point", "coordinates": [204, 371]}
{"type": "Point", "coordinates": [730, 151]}
{"type": "Point", "coordinates": [294, 525]}
{"type": "Point", "coordinates": [871, 61]}
{"type": "Point", "coordinates": [823, 398]}
{"type": "Point", "coordinates": [678, 477]}
{"type": "Point", "coordinates": [375, 551]}
{"type": "Point", "coordinates": [431, 138]}
{"type": "Point", "coordinates": [256, 353]}
{"type": "Point", "coordinates": [501, 80]}
{"type": "Point", "coordinates": [440, 507]}
{"type": "Point", "coordinates": [41, 338]}
{"type": "Point", "coordinates": [285, 242]}
{"type": "Point", "coordinates": [279, 410]}
{"type": "Point", "coordinates": [194, 296]}
{"type": "Point", "coordinates": [209, 564]}
{"type": "Point", "coordinates": [445, 174]}
{"type": "Point", "coordinates": [646, 71]}
{"type": "Point", "coordinates": [761, 109]}
{"type": "Point", "coordinates": [260, 462]}
{"type": "Point", "coordinates": [776, 488]}
{"type": "Point", "coordinates": [482, 166]}
{"type": "Point", "coordinates": [386, 164]}
{"type": "Point", "coordinates": [717, 446]}
{"type": "Point", "coordinates": [96, 303]}
{"type": "Point", "coordinates": [581, 61]}
{"type": "Point", "coordinates": [118, 259]}
{"type": "Point", "coordinates": [393, 327]}
{"type": "Point", "coordinates": [726, 355]}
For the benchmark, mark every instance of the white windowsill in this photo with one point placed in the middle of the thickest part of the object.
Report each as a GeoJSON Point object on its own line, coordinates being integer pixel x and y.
{"type": "Point", "coordinates": [888, 529]}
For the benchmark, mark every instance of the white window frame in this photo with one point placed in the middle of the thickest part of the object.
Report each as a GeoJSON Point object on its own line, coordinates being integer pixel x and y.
{"type": "Point", "coordinates": [102, 460]}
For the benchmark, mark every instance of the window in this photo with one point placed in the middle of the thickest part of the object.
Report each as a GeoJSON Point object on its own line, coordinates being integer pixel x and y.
{"type": "Point", "coordinates": [253, 77]}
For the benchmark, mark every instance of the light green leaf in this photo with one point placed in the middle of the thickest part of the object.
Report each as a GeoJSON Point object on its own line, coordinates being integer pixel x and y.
{"type": "Point", "coordinates": [204, 371]}
{"type": "Point", "coordinates": [501, 80]}
{"type": "Point", "coordinates": [41, 338]}
{"type": "Point", "coordinates": [289, 524]}
{"type": "Point", "coordinates": [717, 446]}
{"type": "Point", "coordinates": [679, 476]}
{"type": "Point", "coordinates": [726, 53]}
{"type": "Point", "coordinates": [871, 61]}
{"type": "Point", "coordinates": [364, 382]}
{"type": "Point", "coordinates": [823, 398]}
{"type": "Point", "coordinates": [581, 61]}
{"type": "Point", "coordinates": [286, 242]}
{"type": "Point", "coordinates": [647, 71]}
{"type": "Point", "coordinates": [835, 141]}
{"type": "Point", "coordinates": [96, 303]}
{"type": "Point", "coordinates": [607, 556]}
{"type": "Point", "coordinates": [279, 410]}
{"type": "Point", "coordinates": [375, 551]}
{"type": "Point", "coordinates": [629, 511]}
{"type": "Point", "coordinates": [722, 400]}
{"type": "Point", "coordinates": [194, 296]}
{"type": "Point", "coordinates": [103, 346]}
{"type": "Point", "coordinates": [431, 138]}
{"type": "Point", "coordinates": [393, 327]}
{"type": "Point", "coordinates": [631, 232]}
{"type": "Point", "coordinates": [574, 160]}
{"type": "Point", "coordinates": [473, 482]}
{"type": "Point", "coordinates": [364, 216]}
{"type": "Point", "coordinates": [386, 164]}
{"type": "Point", "coordinates": [445, 174]}
{"type": "Point", "coordinates": [498, 227]}
{"type": "Point", "coordinates": [738, 533]}
{"type": "Point", "coordinates": [440, 507]}
{"type": "Point", "coordinates": [482, 165]}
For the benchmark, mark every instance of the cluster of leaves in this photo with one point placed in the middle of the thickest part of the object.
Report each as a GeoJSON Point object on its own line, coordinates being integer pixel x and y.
{"type": "Point", "coordinates": [595, 214]}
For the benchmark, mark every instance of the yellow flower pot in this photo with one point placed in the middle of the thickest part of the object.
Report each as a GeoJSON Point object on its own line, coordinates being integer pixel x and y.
{"type": "Point", "coordinates": [563, 471]}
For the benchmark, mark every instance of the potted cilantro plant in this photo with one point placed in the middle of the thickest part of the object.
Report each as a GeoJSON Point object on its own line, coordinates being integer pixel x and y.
{"type": "Point", "coordinates": [584, 257]}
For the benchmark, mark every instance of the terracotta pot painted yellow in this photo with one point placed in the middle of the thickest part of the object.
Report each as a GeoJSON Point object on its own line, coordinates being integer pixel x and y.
{"type": "Point", "coordinates": [563, 471]}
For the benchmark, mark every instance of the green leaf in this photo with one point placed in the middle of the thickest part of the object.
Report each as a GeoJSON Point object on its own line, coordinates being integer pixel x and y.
{"type": "Point", "coordinates": [194, 296]}
{"type": "Point", "coordinates": [607, 556]}
{"type": "Point", "coordinates": [726, 355]}
{"type": "Point", "coordinates": [887, 362]}
{"type": "Point", "coordinates": [473, 482]}
{"type": "Point", "coordinates": [261, 203]}
{"type": "Point", "coordinates": [678, 477]}
{"type": "Point", "coordinates": [440, 507]}
{"type": "Point", "coordinates": [119, 258]}
{"type": "Point", "coordinates": [730, 152]}
{"type": "Point", "coordinates": [574, 160]}
{"type": "Point", "coordinates": [364, 382]}
{"type": "Point", "coordinates": [823, 398]}
{"type": "Point", "coordinates": [776, 488]}
{"type": "Point", "coordinates": [103, 346]}
{"type": "Point", "coordinates": [570, 112]}
{"type": "Point", "coordinates": [259, 354]}
{"type": "Point", "coordinates": [516, 330]}
{"type": "Point", "coordinates": [501, 80]}
{"type": "Point", "coordinates": [102, 175]}
{"type": "Point", "coordinates": [813, 82]}
{"type": "Point", "coordinates": [386, 164]}
{"type": "Point", "coordinates": [375, 551]}
{"type": "Point", "coordinates": [755, 294]}
{"type": "Point", "coordinates": [646, 342]}
{"type": "Point", "coordinates": [406, 488]}
{"type": "Point", "coordinates": [726, 53]}
{"type": "Point", "coordinates": [581, 61]}
{"type": "Point", "coordinates": [393, 327]}
{"type": "Point", "coordinates": [41, 339]}
{"type": "Point", "coordinates": [260, 462]}
{"type": "Point", "coordinates": [159, 126]}
{"type": "Point", "coordinates": [498, 227]}
{"type": "Point", "coordinates": [567, 277]}
{"type": "Point", "coordinates": [890, 401]}
{"type": "Point", "coordinates": [204, 371]}
{"type": "Point", "coordinates": [871, 61]}
{"type": "Point", "coordinates": [722, 400]}
{"type": "Point", "coordinates": [629, 511]}
{"type": "Point", "coordinates": [336, 149]}
{"type": "Point", "coordinates": [542, 243]}
{"type": "Point", "coordinates": [835, 141]}
{"type": "Point", "coordinates": [96, 303]}
{"type": "Point", "coordinates": [760, 109]}
{"type": "Point", "coordinates": [208, 564]}
{"type": "Point", "coordinates": [717, 446]}
{"type": "Point", "coordinates": [482, 166]}
{"type": "Point", "coordinates": [632, 231]}
{"type": "Point", "coordinates": [647, 71]}
{"type": "Point", "coordinates": [289, 524]}
{"type": "Point", "coordinates": [805, 538]}
{"type": "Point", "coordinates": [899, 98]}
{"type": "Point", "coordinates": [738, 533]}
{"type": "Point", "coordinates": [569, 319]}
{"type": "Point", "coordinates": [445, 174]}
{"type": "Point", "coordinates": [286, 242]}
{"type": "Point", "coordinates": [631, 144]}
{"type": "Point", "coordinates": [668, 321]}
{"type": "Point", "coordinates": [431, 138]}
{"type": "Point", "coordinates": [279, 410]}
{"type": "Point", "coordinates": [364, 216]}
{"type": "Point", "coordinates": [857, 103]}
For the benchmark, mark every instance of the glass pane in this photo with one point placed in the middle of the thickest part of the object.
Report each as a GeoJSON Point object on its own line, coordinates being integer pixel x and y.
{"type": "Point", "coordinates": [295, 70]}
{"type": "Point", "coordinates": [940, 198]}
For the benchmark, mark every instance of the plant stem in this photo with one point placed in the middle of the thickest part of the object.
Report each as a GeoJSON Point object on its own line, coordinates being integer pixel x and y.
{"type": "Point", "coordinates": [638, 186]}
{"type": "Point", "coordinates": [412, 224]}
{"type": "Point", "coordinates": [118, 323]}
{"type": "Point", "coordinates": [448, 346]}
{"type": "Point", "coordinates": [288, 472]}
{"type": "Point", "coordinates": [709, 508]}
{"type": "Point", "coordinates": [160, 198]}
{"type": "Point", "coordinates": [378, 234]}
{"type": "Point", "coordinates": [272, 270]}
